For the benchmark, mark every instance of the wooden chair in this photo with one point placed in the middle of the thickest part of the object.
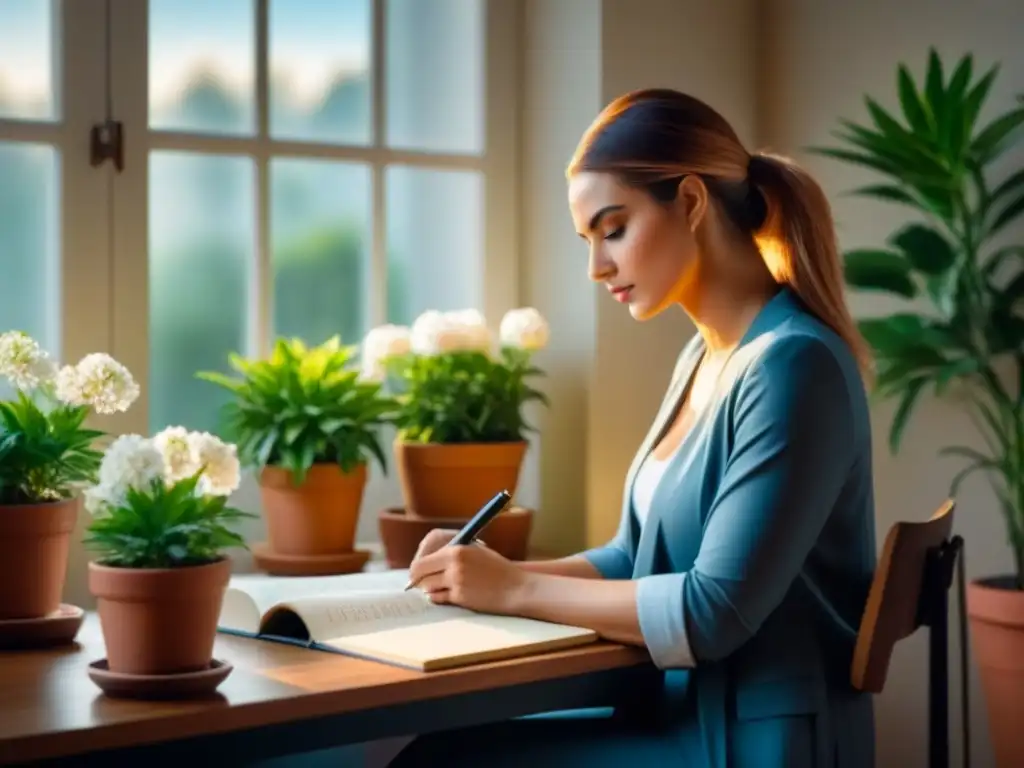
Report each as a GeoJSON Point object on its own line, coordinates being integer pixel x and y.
{"type": "Point", "coordinates": [910, 589]}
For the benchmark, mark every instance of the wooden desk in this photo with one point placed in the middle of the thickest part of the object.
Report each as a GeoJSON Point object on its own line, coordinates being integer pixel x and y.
{"type": "Point", "coordinates": [281, 700]}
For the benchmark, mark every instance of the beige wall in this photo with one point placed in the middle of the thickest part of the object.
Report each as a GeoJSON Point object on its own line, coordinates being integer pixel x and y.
{"type": "Point", "coordinates": [783, 85]}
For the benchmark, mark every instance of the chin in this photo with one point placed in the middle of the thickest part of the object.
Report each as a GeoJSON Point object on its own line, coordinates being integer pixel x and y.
{"type": "Point", "coordinates": [642, 312]}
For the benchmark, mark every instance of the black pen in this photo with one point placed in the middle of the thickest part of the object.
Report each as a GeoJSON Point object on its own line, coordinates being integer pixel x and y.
{"type": "Point", "coordinates": [479, 521]}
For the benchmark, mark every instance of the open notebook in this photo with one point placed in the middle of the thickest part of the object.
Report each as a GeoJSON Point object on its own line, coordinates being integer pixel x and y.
{"type": "Point", "coordinates": [368, 615]}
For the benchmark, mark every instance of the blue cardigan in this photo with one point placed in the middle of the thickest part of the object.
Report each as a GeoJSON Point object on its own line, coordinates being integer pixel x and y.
{"type": "Point", "coordinates": [755, 559]}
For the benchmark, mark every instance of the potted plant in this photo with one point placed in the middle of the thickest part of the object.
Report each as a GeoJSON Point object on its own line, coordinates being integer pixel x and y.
{"type": "Point", "coordinates": [461, 428]}
{"type": "Point", "coordinates": [47, 456]}
{"type": "Point", "coordinates": [161, 526]}
{"type": "Point", "coordinates": [308, 422]}
{"type": "Point", "coordinates": [940, 163]}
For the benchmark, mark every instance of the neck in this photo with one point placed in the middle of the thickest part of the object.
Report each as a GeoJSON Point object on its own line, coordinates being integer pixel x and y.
{"type": "Point", "coordinates": [722, 316]}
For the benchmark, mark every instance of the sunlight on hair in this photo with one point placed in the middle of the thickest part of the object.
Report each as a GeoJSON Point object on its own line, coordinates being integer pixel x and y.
{"type": "Point", "coordinates": [776, 257]}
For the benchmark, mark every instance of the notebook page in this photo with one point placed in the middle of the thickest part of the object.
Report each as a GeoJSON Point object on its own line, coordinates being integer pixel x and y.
{"type": "Point", "coordinates": [329, 617]}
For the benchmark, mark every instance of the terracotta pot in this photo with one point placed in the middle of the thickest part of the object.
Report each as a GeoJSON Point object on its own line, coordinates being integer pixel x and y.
{"type": "Point", "coordinates": [159, 621]}
{"type": "Point", "coordinates": [34, 541]}
{"type": "Point", "coordinates": [996, 612]}
{"type": "Point", "coordinates": [319, 516]}
{"type": "Point", "coordinates": [454, 481]}
{"type": "Point", "coordinates": [508, 533]}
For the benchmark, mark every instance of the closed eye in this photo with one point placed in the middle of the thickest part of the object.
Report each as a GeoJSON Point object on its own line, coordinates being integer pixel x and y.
{"type": "Point", "coordinates": [616, 234]}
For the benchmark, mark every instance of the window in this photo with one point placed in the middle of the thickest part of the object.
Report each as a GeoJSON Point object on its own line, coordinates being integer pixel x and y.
{"type": "Point", "coordinates": [53, 239]}
{"type": "Point", "coordinates": [303, 168]}
{"type": "Point", "coordinates": [291, 167]}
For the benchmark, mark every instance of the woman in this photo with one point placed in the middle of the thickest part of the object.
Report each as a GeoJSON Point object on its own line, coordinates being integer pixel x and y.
{"type": "Point", "coordinates": [746, 544]}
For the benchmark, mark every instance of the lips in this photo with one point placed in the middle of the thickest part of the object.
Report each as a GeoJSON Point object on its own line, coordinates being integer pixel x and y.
{"type": "Point", "coordinates": [621, 293]}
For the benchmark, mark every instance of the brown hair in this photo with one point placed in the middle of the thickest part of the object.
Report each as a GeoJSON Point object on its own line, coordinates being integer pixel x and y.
{"type": "Point", "coordinates": [652, 138]}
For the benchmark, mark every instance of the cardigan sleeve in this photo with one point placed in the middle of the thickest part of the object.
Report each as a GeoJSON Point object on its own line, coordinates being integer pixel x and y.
{"type": "Point", "coordinates": [613, 560]}
{"type": "Point", "coordinates": [793, 447]}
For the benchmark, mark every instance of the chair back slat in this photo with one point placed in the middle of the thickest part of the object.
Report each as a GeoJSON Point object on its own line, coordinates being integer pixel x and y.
{"type": "Point", "coordinates": [892, 611]}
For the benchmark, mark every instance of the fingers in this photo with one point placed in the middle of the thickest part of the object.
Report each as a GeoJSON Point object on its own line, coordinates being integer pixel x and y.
{"type": "Point", "coordinates": [434, 540]}
{"type": "Point", "coordinates": [430, 563]}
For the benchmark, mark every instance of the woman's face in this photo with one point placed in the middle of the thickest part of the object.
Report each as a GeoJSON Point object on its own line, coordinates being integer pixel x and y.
{"type": "Point", "coordinates": [643, 250]}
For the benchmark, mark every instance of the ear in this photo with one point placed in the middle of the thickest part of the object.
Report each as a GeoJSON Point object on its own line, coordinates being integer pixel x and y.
{"type": "Point", "coordinates": [692, 201]}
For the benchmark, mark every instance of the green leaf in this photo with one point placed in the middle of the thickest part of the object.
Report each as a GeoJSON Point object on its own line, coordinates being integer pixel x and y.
{"type": "Point", "coordinates": [879, 270]}
{"type": "Point", "coordinates": [926, 250]}
{"type": "Point", "coordinates": [903, 411]}
{"type": "Point", "coordinates": [956, 101]}
{"type": "Point", "coordinates": [858, 158]}
{"type": "Point", "coordinates": [976, 98]}
{"type": "Point", "coordinates": [1007, 214]}
{"type": "Point", "coordinates": [995, 137]}
{"type": "Point", "coordinates": [935, 96]}
{"type": "Point", "coordinates": [888, 192]}
{"type": "Point", "coordinates": [914, 109]}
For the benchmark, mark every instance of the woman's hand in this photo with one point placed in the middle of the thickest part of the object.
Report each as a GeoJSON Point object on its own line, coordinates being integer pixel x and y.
{"type": "Point", "coordinates": [474, 577]}
{"type": "Point", "coordinates": [433, 541]}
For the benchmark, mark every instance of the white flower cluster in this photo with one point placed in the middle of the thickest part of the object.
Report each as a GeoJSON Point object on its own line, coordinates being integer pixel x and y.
{"type": "Point", "coordinates": [437, 333]}
{"type": "Point", "coordinates": [98, 381]}
{"type": "Point", "coordinates": [524, 328]}
{"type": "Point", "coordinates": [134, 461]}
{"type": "Point", "coordinates": [23, 362]}
{"type": "Point", "coordinates": [380, 344]}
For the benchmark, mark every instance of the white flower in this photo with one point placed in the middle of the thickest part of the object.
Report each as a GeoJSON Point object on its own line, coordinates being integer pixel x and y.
{"type": "Point", "coordinates": [222, 470]}
{"type": "Point", "coordinates": [98, 381]}
{"type": "Point", "coordinates": [131, 461]}
{"type": "Point", "coordinates": [180, 458]}
{"type": "Point", "coordinates": [475, 333]}
{"type": "Point", "coordinates": [435, 333]}
{"type": "Point", "coordinates": [23, 361]}
{"type": "Point", "coordinates": [524, 328]}
{"type": "Point", "coordinates": [380, 344]}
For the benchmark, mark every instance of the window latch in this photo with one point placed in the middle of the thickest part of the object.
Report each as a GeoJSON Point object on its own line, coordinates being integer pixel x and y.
{"type": "Point", "coordinates": [106, 142]}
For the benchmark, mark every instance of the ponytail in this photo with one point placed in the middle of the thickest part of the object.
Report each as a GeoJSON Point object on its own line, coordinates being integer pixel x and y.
{"type": "Point", "coordinates": [798, 244]}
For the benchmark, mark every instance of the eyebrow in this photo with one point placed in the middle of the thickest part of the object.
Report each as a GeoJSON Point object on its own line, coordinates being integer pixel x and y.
{"type": "Point", "coordinates": [596, 218]}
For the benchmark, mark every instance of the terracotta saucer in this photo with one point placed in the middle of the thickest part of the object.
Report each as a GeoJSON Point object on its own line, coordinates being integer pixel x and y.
{"type": "Point", "coordinates": [278, 564]}
{"type": "Point", "coordinates": [56, 628]}
{"type": "Point", "coordinates": [508, 533]}
{"type": "Point", "coordinates": [187, 685]}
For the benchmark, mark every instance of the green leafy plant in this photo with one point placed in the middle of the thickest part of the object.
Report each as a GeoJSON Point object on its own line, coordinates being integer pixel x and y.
{"type": "Point", "coordinates": [303, 406]}
{"type": "Point", "coordinates": [465, 397]}
{"type": "Point", "coordinates": [937, 160]}
{"type": "Point", "coordinates": [162, 502]}
{"type": "Point", "coordinates": [47, 451]}
{"type": "Point", "coordinates": [452, 385]}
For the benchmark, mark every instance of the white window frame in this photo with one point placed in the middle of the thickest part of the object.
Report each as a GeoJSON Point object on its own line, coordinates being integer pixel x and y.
{"type": "Point", "coordinates": [82, 293]}
{"type": "Point", "coordinates": [499, 164]}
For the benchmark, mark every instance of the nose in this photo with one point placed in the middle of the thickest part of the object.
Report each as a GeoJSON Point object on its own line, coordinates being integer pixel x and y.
{"type": "Point", "coordinates": [600, 266]}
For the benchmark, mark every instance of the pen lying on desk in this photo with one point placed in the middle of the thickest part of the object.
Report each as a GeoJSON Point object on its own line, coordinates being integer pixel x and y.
{"type": "Point", "coordinates": [479, 521]}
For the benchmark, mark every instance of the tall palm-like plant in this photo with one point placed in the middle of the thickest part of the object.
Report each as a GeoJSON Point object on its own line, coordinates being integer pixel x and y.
{"type": "Point", "coordinates": [937, 159]}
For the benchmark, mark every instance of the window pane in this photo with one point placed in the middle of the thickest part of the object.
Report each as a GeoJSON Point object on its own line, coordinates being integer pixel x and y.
{"type": "Point", "coordinates": [26, 60]}
{"type": "Point", "coordinates": [320, 225]}
{"type": "Point", "coordinates": [320, 70]}
{"type": "Point", "coordinates": [201, 244]}
{"type": "Point", "coordinates": [435, 241]}
{"type": "Point", "coordinates": [202, 65]}
{"type": "Point", "coordinates": [434, 73]}
{"type": "Point", "coordinates": [29, 258]}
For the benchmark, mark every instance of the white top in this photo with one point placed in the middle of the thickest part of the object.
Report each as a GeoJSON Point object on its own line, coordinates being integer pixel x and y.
{"type": "Point", "coordinates": [646, 483]}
